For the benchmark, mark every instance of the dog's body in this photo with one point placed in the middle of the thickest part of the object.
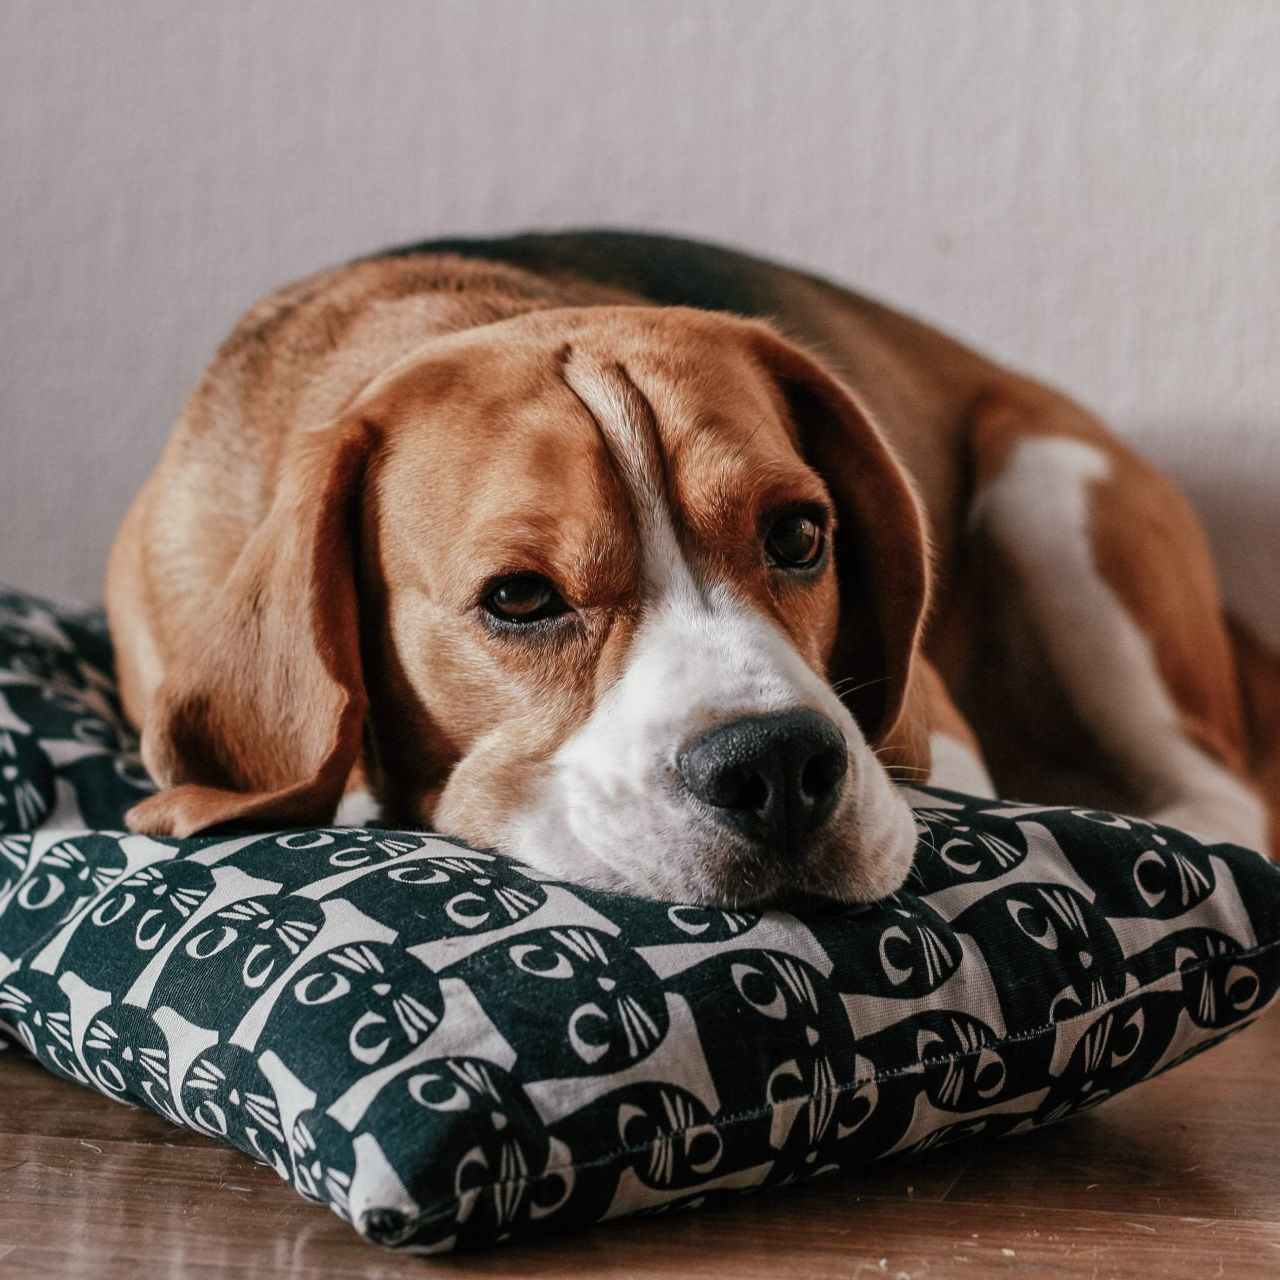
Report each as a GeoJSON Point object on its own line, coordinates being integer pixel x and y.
{"type": "Point", "coordinates": [294, 595]}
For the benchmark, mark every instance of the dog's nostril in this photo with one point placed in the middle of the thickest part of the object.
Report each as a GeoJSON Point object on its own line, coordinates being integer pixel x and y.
{"type": "Point", "coordinates": [743, 789]}
{"type": "Point", "coordinates": [823, 772]}
{"type": "Point", "coordinates": [772, 778]}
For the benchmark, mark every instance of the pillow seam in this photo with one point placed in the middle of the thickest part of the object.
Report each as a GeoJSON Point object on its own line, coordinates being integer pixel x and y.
{"type": "Point", "coordinates": [445, 1208]}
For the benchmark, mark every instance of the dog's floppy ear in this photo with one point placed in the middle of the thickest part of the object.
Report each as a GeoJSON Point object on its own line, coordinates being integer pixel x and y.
{"type": "Point", "coordinates": [258, 720]}
{"type": "Point", "coordinates": [881, 549]}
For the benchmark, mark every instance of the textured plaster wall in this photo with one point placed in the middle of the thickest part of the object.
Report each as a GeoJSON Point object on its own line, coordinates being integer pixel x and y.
{"type": "Point", "coordinates": [1090, 189]}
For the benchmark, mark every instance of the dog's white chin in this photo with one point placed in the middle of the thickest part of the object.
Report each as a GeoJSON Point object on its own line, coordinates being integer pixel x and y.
{"type": "Point", "coordinates": [881, 857]}
{"type": "Point", "coordinates": [863, 854]}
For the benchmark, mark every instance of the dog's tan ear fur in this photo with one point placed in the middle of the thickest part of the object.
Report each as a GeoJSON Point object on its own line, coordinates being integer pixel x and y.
{"type": "Point", "coordinates": [882, 555]}
{"type": "Point", "coordinates": [258, 720]}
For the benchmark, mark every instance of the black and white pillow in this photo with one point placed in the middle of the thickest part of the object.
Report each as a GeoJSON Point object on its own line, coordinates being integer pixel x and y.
{"type": "Point", "coordinates": [450, 1048]}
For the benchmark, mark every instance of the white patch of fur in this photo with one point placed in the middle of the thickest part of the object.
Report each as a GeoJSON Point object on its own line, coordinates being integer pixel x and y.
{"type": "Point", "coordinates": [357, 809]}
{"type": "Point", "coordinates": [612, 809]}
{"type": "Point", "coordinates": [1037, 512]}
{"type": "Point", "coordinates": [957, 767]}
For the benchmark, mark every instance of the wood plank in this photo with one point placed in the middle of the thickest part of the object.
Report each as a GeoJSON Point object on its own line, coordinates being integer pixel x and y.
{"type": "Point", "coordinates": [1172, 1180]}
{"type": "Point", "coordinates": [32, 1102]}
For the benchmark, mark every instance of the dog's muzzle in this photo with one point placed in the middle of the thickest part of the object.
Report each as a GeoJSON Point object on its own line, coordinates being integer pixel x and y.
{"type": "Point", "coordinates": [773, 779]}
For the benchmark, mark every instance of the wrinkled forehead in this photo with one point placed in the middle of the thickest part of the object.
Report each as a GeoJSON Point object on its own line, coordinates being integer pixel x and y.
{"type": "Point", "coordinates": [492, 463]}
{"type": "Point", "coordinates": [552, 455]}
{"type": "Point", "coordinates": [697, 425]}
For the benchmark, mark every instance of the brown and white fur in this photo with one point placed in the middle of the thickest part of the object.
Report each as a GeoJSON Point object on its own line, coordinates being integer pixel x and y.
{"type": "Point", "coordinates": [1014, 602]}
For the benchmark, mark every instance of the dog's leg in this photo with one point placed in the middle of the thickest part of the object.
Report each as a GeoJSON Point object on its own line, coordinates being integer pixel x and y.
{"type": "Point", "coordinates": [359, 806]}
{"type": "Point", "coordinates": [957, 763]}
{"type": "Point", "coordinates": [1105, 623]}
{"type": "Point", "coordinates": [1259, 668]}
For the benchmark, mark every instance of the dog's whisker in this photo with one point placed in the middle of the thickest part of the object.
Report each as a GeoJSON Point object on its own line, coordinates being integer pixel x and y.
{"type": "Point", "coordinates": [925, 837]}
{"type": "Point", "coordinates": [844, 686]}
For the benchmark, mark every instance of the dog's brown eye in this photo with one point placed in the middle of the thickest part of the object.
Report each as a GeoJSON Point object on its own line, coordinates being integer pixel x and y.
{"type": "Point", "coordinates": [524, 597]}
{"type": "Point", "coordinates": [794, 542]}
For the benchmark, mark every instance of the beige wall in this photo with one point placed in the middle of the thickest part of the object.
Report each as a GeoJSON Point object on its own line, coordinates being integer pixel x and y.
{"type": "Point", "coordinates": [1090, 189]}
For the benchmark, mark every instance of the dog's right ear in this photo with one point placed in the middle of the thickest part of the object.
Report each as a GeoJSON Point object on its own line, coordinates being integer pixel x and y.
{"type": "Point", "coordinates": [882, 556]}
{"type": "Point", "coordinates": [258, 720]}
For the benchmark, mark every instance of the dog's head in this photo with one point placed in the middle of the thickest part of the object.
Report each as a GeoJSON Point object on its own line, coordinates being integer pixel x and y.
{"type": "Point", "coordinates": [631, 594]}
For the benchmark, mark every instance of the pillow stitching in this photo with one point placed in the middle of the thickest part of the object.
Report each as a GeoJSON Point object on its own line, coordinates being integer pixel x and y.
{"type": "Point", "coordinates": [448, 1205]}
{"type": "Point", "coordinates": [426, 1217]}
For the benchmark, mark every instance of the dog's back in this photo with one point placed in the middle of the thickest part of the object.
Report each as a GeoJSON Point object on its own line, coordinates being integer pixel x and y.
{"type": "Point", "coordinates": [984, 448]}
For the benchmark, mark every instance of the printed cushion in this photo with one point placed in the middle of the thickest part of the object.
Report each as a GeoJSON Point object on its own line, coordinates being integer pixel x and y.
{"type": "Point", "coordinates": [449, 1048]}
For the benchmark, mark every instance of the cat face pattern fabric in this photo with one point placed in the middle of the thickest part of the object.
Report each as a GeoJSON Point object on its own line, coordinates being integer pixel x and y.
{"type": "Point", "coordinates": [449, 1048]}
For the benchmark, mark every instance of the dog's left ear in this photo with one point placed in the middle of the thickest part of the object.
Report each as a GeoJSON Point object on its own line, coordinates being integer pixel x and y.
{"type": "Point", "coordinates": [881, 550]}
{"type": "Point", "coordinates": [259, 719]}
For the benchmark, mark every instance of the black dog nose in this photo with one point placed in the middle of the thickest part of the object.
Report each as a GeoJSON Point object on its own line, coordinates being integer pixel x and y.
{"type": "Point", "coordinates": [771, 778]}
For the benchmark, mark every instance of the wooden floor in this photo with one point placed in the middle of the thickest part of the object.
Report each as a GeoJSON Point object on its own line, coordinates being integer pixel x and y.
{"type": "Point", "coordinates": [1180, 1178]}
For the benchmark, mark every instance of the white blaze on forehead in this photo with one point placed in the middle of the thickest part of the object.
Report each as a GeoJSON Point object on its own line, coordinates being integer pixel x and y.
{"type": "Point", "coordinates": [627, 425]}
{"type": "Point", "coordinates": [699, 641]}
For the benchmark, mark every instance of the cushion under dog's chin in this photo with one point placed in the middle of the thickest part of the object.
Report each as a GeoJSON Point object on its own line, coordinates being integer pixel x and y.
{"type": "Point", "coordinates": [449, 1048]}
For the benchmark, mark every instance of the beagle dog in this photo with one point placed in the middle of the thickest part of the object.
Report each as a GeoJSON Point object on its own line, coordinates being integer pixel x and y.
{"type": "Point", "coordinates": [661, 568]}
